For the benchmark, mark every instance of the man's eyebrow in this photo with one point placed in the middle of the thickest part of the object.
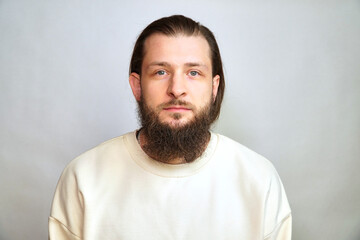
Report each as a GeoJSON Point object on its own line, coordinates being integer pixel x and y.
{"type": "Point", "coordinates": [162, 64]}
{"type": "Point", "coordinates": [196, 64]}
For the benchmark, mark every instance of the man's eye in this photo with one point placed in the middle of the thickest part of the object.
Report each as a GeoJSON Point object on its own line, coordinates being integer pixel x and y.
{"type": "Point", "coordinates": [161, 72]}
{"type": "Point", "coordinates": [193, 73]}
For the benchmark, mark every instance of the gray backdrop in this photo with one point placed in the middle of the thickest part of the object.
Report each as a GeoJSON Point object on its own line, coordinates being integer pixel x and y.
{"type": "Point", "coordinates": [293, 95]}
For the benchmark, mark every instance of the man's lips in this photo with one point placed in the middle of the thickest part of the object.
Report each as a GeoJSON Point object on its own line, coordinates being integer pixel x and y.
{"type": "Point", "coordinates": [176, 108]}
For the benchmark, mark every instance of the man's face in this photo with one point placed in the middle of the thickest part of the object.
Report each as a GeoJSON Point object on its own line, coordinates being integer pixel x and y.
{"type": "Point", "coordinates": [176, 80]}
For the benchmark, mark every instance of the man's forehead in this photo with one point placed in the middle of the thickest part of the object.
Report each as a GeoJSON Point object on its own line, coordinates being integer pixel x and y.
{"type": "Point", "coordinates": [167, 46]}
{"type": "Point", "coordinates": [156, 36]}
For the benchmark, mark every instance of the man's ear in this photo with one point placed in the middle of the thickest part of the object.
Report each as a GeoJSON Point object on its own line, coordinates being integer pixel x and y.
{"type": "Point", "coordinates": [134, 80]}
{"type": "Point", "coordinates": [215, 86]}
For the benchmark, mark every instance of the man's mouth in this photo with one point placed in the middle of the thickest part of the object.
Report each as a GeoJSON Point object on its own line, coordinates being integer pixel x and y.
{"type": "Point", "coordinates": [177, 106]}
{"type": "Point", "coordinates": [176, 109]}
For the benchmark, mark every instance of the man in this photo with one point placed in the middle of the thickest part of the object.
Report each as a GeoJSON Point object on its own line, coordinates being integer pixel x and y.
{"type": "Point", "coordinates": [172, 178]}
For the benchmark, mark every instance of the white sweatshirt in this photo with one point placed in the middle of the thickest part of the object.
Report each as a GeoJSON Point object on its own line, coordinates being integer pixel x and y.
{"type": "Point", "coordinates": [115, 191]}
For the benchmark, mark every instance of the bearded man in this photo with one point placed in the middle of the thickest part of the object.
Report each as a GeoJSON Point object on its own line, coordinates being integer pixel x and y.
{"type": "Point", "coordinates": [172, 178]}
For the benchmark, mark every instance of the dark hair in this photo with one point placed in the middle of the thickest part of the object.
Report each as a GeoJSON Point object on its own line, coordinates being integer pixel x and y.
{"type": "Point", "coordinates": [172, 26]}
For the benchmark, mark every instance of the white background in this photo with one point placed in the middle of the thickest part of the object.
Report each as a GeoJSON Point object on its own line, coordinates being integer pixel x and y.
{"type": "Point", "coordinates": [292, 94]}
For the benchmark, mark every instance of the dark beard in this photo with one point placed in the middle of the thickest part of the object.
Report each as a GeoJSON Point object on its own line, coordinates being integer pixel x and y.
{"type": "Point", "coordinates": [166, 143]}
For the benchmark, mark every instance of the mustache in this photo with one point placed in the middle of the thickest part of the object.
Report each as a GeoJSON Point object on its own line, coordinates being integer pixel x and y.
{"type": "Point", "coordinates": [177, 102]}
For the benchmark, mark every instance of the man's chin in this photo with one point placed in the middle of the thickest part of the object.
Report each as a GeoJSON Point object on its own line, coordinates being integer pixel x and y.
{"type": "Point", "coordinates": [176, 123]}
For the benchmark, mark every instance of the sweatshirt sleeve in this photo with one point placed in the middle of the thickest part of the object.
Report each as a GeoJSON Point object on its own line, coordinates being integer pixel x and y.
{"type": "Point", "coordinates": [278, 219]}
{"type": "Point", "coordinates": [282, 231]}
{"type": "Point", "coordinates": [66, 219]}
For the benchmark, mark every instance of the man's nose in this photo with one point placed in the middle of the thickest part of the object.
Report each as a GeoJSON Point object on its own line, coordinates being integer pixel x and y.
{"type": "Point", "coordinates": [177, 86]}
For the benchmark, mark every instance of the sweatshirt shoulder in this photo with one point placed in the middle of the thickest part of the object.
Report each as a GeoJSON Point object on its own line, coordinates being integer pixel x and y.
{"type": "Point", "coordinates": [99, 154]}
{"type": "Point", "coordinates": [243, 156]}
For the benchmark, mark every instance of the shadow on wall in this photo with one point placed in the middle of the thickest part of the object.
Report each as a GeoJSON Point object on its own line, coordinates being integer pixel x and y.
{"type": "Point", "coordinates": [357, 236]}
